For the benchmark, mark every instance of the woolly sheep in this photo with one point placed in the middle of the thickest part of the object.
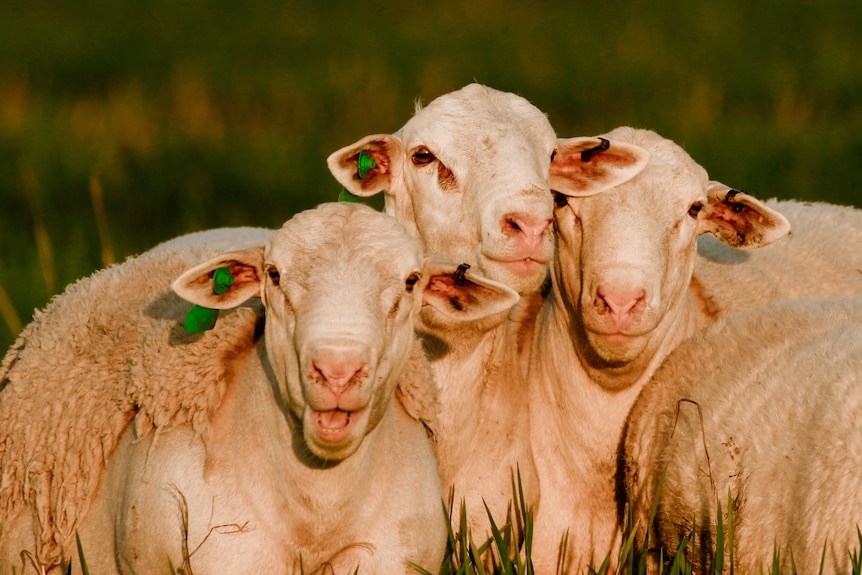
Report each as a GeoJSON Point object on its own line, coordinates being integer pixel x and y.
{"type": "Point", "coordinates": [191, 481]}
{"type": "Point", "coordinates": [622, 297]}
{"type": "Point", "coordinates": [818, 259]}
{"type": "Point", "coordinates": [53, 461]}
{"type": "Point", "coordinates": [761, 408]}
{"type": "Point", "coordinates": [217, 240]}
{"type": "Point", "coordinates": [468, 175]}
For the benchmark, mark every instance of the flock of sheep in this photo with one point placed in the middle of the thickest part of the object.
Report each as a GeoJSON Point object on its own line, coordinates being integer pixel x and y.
{"type": "Point", "coordinates": [576, 311]}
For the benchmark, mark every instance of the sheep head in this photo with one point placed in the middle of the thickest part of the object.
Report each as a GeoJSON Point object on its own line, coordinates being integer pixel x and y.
{"type": "Point", "coordinates": [468, 177]}
{"type": "Point", "coordinates": [342, 285]}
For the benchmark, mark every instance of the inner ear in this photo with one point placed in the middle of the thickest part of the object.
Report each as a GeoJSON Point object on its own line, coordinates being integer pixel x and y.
{"type": "Point", "coordinates": [448, 290]}
{"type": "Point", "coordinates": [588, 166]}
{"type": "Point", "coordinates": [368, 166]}
{"type": "Point", "coordinates": [459, 294]}
{"type": "Point", "coordinates": [741, 220]}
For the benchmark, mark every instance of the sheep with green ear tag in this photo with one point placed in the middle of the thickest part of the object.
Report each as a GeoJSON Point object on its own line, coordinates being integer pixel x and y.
{"type": "Point", "coordinates": [468, 176]}
{"type": "Point", "coordinates": [297, 432]}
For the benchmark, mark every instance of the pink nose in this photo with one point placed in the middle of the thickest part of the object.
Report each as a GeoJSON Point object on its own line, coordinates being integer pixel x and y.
{"type": "Point", "coordinates": [620, 304]}
{"type": "Point", "coordinates": [530, 227]}
{"type": "Point", "coordinates": [337, 369]}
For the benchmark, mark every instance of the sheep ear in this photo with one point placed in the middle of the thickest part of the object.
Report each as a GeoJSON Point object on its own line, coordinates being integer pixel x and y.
{"type": "Point", "coordinates": [206, 286]}
{"type": "Point", "coordinates": [459, 294]}
{"type": "Point", "coordinates": [587, 166]}
{"type": "Point", "coordinates": [387, 151]}
{"type": "Point", "coordinates": [740, 220]}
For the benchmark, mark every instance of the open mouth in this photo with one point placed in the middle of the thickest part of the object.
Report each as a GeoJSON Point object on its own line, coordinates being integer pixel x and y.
{"type": "Point", "coordinates": [334, 425]}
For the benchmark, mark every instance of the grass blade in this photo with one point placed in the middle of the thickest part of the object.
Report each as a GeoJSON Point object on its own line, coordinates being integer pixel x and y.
{"type": "Point", "coordinates": [84, 569]}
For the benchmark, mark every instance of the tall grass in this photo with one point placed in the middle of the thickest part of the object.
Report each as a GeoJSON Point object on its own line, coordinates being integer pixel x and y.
{"type": "Point", "coordinates": [506, 553]}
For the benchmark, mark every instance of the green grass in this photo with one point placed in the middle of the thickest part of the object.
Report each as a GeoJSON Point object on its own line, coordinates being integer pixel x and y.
{"type": "Point", "coordinates": [512, 556]}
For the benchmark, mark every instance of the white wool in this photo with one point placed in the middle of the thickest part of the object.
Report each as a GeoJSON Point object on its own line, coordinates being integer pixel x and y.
{"type": "Point", "coordinates": [70, 386]}
{"type": "Point", "coordinates": [627, 263]}
{"type": "Point", "coordinates": [191, 451]}
{"type": "Point", "coordinates": [467, 175]}
{"type": "Point", "coordinates": [762, 407]}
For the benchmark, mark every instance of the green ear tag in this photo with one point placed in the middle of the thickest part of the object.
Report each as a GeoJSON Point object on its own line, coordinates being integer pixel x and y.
{"type": "Point", "coordinates": [222, 279]}
{"type": "Point", "coordinates": [345, 196]}
{"type": "Point", "coordinates": [202, 318]}
{"type": "Point", "coordinates": [364, 164]}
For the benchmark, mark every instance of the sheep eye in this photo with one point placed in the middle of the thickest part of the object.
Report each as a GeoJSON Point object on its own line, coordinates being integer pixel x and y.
{"type": "Point", "coordinates": [560, 200]}
{"type": "Point", "coordinates": [410, 283]}
{"type": "Point", "coordinates": [695, 209]}
{"type": "Point", "coordinates": [553, 155]}
{"type": "Point", "coordinates": [274, 276]}
{"type": "Point", "coordinates": [423, 157]}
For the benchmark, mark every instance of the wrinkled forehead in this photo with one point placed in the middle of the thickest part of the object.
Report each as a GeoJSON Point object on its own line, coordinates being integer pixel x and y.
{"type": "Point", "coordinates": [343, 239]}
{"type": "Point", "coordinates": [479, 117]}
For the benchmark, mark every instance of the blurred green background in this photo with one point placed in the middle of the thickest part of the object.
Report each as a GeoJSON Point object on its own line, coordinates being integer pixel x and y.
{"type": "Point", "coordinates": [125, 123]}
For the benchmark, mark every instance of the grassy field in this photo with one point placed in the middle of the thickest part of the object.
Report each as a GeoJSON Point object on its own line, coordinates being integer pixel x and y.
{"type": "Point", "coordinates": [124, 124]}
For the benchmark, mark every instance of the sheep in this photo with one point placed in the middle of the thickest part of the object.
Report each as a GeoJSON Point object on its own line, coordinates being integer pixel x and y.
{"type": "Point", "coordinates": [629, 283]}
{"type": "Point", "coordinates": [818, 259]}
{"type": "Point", "coordinates": [165, 468]}
{"type": "Point", "coordinates": [759, 413]}
{"type": "Point", "coordinates": [707, 294]}
{"type": "Point", "coordinates": [468, 177]}
{"type": "Point", "coordinates": [217, 240]}
{"type": "Point", "coordinates": [622, 297]}
{"type": "Point", "coordinates": [52, 457]}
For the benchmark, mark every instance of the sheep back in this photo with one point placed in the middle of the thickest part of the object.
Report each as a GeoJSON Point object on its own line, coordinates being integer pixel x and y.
{"type": "Point", "coordinates": [110, 346]}
{"type": "Point", "coordinates": [763, 407]}
{"type": "Point", "coordinates": [819, 259]}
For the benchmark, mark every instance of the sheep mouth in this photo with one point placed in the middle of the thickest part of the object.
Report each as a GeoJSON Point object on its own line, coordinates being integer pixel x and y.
{"type": "Point", "coordinates": [527, 266]}
{"type": "Point", "coordinates": [618, 348]}
{"type": "Point", "coordinates": [334, 425]}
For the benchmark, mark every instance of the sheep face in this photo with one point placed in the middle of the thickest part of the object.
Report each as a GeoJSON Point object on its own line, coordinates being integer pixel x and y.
{"type": "Point", "coordinates": [341, 285]}
{"type": "Point", "coordinates": [340, 296]}
{"type": "Point", "coordinates": [626, 255]}
{"type": "Point", "coordinates": [468, 176]}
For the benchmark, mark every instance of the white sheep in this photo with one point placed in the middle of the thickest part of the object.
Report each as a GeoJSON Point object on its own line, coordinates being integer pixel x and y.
{"type": "Point", "coordinates": [580, 415]}
{"type": "Point", "coordinates": [818, 259]}
{"type": "Point", "coordinates": [245, 451]}
{"type": "Point", "coordinates": [622, 298]}
{"type": "Point", "coordinates": [758, 412]}
{"type": "Point", "coordinates": [468, 175]}
{"type": "Point", "coordinates": [217, 240]}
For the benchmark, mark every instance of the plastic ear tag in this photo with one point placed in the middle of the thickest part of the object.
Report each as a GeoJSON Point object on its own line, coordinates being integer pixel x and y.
{"type": "Point", "coordinates": [587, 155]}
{"type": "Point", "coordinates": [364, 164]}
{"type": "Point", "coordinates": [461, 274]}
{"type": "Point", "coordinates": [202, 318]}
{"type": "Point", "coordinates": [345, 196]}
